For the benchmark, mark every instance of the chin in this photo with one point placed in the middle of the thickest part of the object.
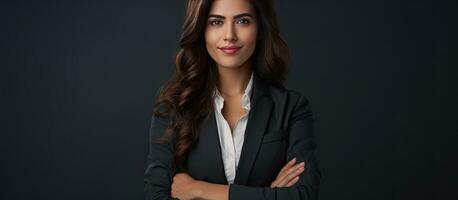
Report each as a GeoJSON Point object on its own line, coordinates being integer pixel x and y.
{"type": "Point", "coordinates": [229, 63]}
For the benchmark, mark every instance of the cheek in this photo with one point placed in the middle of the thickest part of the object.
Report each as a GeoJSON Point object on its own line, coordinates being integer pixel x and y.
{"type": "Point", "coordinates": [250, 39]}
{"type": "Point", "coordinates": [211, 37]}
{"type": "Point", "coordinates": [211, 40]}
{"type": "Point", "coordinates": [250, 36]}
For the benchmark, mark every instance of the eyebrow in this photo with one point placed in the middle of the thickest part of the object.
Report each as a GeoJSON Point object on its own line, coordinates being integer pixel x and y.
{"type": "Point", "coordinates": [235, 17]}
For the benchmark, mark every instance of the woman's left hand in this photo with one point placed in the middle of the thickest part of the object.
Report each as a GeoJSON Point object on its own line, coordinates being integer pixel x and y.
{"type": "Point", "coordinates": [184, 187]}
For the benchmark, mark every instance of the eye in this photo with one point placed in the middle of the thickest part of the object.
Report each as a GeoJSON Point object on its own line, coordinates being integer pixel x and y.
{"type": "Point", "coordinates": [243, 21]}
{"type": "Point", "coordinates": [215, 22]}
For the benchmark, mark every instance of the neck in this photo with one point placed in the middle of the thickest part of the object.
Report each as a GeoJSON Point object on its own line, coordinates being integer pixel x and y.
{"type": "Point", "coordinates": [233, 81]}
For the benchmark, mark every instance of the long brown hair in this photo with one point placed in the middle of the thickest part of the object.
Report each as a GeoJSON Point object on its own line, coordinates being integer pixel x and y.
{"type": "Point", "coordinates": [186, 100]}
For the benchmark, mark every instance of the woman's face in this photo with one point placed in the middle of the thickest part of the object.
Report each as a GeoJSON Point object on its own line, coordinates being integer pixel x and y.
{"type": "Point", "coordinates": [230, 34]}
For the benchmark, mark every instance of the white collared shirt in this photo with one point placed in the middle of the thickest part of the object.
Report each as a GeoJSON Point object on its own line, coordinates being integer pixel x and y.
{"type": "Point", "coordinates": [231, 144]}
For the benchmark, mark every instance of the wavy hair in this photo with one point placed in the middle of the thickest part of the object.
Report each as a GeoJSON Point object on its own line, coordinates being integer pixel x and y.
{"type": "Point", "coordinates": [187, 98]}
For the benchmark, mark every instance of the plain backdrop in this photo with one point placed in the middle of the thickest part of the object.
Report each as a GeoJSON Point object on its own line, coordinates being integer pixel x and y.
{"type": "Point", "coordinates": [78, 81]}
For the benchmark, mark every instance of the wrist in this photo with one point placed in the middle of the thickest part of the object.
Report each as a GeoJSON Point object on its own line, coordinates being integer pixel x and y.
{"type": "Point", "coordinates": [197, 189]}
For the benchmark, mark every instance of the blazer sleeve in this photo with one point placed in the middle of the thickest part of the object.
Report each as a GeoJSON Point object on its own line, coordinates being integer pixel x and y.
{"type": "Point", "coordinates": [301, 145]}
{"type": "Point", "coordinates": [159, 172]}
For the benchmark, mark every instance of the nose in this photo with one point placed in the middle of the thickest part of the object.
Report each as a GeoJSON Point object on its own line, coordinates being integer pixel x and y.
{"type": "Point", "coordinates": [230, 34]}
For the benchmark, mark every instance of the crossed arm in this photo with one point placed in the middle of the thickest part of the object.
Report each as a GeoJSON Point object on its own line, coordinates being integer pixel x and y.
{"type": "Point", "coordinates": [161, 183]}
{"type": "Point", "coordinates": [185, 187]}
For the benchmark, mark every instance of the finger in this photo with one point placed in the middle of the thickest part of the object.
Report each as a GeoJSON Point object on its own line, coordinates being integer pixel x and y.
{"type": "Point", "coordinates": [293, 181]}
{"type": "Point", "coordinates": [291, 173]}
{"type": "Point", "coordinates": [287, 166]}
{"type": "Point", "coordinates": [283, 175]}
{"type": "Point", "coordinates": [279, 182]}
{"type": "Point", "coordinates": [295, 173]}
{"type": "Point", "coordinates": [273, 185]}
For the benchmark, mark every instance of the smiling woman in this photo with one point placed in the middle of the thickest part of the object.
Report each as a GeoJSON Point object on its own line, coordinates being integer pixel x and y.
{"type": "Point", "coordinates": [225, 126]}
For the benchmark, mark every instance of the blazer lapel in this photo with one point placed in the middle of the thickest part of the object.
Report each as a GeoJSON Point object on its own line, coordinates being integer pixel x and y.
{"type": "Point", "coordinates": [210, 140]}
{"type": "Point", "coordinates": [261, 108]}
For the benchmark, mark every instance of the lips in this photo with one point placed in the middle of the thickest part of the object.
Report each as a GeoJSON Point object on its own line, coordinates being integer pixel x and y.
{"type": "Point", "coordinates": [229, 49]}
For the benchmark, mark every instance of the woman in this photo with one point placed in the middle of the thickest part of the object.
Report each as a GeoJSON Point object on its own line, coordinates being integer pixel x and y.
{"type": "Point", "coordinates": [225, 126]}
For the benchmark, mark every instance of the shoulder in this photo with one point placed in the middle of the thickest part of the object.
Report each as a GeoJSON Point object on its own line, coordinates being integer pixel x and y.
{"type": "Point", "coordinates": [288, 97]}
{"type": "Point", "coordinates": [290, 105]}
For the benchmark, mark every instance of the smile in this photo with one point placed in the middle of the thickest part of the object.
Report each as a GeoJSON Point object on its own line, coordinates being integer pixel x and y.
{"type": "Point", "coordinates": [229, 50]}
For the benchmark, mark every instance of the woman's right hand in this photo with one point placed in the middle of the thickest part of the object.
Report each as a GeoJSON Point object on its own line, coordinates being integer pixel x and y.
{"type": "Point", "coordinates": [289, 174]}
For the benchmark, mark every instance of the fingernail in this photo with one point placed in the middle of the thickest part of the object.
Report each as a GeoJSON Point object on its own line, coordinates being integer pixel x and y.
{"type": "Point", "coordinates": [293, 160]}
{"type": "Point", "coordinates": [302, 163]}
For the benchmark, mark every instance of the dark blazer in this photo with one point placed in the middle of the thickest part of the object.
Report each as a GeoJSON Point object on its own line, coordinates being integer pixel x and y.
{"type": "Point", "coordinates": [279, 128]}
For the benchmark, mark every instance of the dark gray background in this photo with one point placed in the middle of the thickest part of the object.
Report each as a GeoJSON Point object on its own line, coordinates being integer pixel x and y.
{"type": "Point", "coordinates": [79, 78]}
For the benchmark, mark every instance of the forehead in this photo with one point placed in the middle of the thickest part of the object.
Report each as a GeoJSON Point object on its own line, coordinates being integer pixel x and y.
{"type": "Point", "coordinates": [231, 7]}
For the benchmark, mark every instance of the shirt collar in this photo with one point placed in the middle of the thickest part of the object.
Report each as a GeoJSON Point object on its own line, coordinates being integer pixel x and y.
{"type": "Point", "coordinates": [219, 100]}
